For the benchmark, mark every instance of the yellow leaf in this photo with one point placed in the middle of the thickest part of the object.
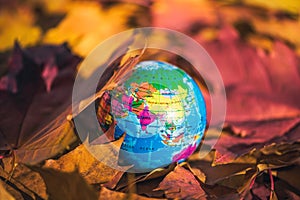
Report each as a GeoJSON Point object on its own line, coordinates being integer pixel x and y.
{"type": "Point", "coordinates": [93, 167]}
{"type": "Point", "coordinates": [4, 194]}
{"type": "Point", "coordinates": [287, 5]}
{"type": "Point", "coordinates": [87, 24]}
{"type": "Point", "coordinates": [273, 196]}
{"type": "Point", "coordinates": [57, 6]}
{"type": "Point", "coordinates": [18, 25]}
{"type": "Point", "coordinates": [261, 42]}
{"type": "Point", "coordinates": [285, 29]}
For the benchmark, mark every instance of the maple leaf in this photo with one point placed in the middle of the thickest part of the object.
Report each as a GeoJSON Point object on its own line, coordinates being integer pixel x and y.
{"type": "Point", "coordinates": [36, 103]}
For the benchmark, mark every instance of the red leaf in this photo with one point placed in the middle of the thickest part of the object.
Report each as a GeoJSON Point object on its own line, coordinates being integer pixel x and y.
{"type": "Point", "coordinates": [258, 86]}
{"type": "Point", "coordinates": [262, 92]}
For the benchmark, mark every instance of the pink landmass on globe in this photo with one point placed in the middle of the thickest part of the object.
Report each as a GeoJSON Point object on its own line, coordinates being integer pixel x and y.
{"type": "Point", "coordinates": [127, 102]}
{"type": "Point", "coordinates": [184, 153]}
{"type": "Point", "coordinates": [146, 118]}
{"type": "Point", "coordinates": [117, 108]}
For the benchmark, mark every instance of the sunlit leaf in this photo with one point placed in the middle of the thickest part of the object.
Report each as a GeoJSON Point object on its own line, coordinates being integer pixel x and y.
{"type": "Point", "coordinates": [66, 185]}
{"type": "Point", "coordinates": [87, 24]}
{"type": "Point", "coordinates": [289, 5]}
{"type": "Point", "coordinates": [92, 167]}
{"type": "Point", "coordinates": [284, 29]}
{"type": "Point", "coordinates": [4, 194]}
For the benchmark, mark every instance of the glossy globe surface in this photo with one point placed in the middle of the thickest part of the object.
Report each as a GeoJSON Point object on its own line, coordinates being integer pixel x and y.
{"type": "Point", "coordinates": [162, 111]}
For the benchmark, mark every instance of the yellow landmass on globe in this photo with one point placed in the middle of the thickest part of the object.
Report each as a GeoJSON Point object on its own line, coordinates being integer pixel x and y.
{"type": "Point", "coordinates": [170, 104]}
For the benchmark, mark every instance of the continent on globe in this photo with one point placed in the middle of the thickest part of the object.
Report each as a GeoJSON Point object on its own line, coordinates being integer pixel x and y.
{"type": "Point", "coordinates": [162, 111]}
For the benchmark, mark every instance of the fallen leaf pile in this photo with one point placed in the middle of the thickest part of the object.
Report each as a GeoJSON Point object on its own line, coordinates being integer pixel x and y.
{"type": "Point", "coordinates": [255, 45]}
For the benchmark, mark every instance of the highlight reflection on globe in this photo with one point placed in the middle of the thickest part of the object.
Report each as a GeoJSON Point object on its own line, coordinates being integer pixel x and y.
{"type": "Point", "coordinates": [162, 111]}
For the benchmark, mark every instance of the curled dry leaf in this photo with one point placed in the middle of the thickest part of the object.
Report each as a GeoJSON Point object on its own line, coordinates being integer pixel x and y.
{"type": "Point", "coordinates": [143, 184]}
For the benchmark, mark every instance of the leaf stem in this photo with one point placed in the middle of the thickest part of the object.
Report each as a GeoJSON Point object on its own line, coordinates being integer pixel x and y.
{"type": "Point", "coordinates": [271, 179]}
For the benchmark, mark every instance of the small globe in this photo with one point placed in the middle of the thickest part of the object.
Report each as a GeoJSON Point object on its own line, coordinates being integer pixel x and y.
{"type": "Point", "coordinates": [162, 111]}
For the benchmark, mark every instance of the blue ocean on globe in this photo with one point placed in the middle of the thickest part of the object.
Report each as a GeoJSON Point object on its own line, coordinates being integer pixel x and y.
{"type": "Point", "coordinates": [162, 111]}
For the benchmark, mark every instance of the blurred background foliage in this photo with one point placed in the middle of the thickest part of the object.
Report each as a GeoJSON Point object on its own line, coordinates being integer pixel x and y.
{"type": "Point", "coordinates": [84, 24]}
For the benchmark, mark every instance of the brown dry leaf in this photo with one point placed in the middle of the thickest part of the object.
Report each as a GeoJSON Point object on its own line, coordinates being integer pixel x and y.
{"type": "Point", "coordinates": [92, 167]}
{"type": "Point", "coordinates": [182, 184]}
{"type": "Point", "coordinates": [285, 191]}
{"type": "Point", "coordinates": [18, 25]}
{"type": "Point", "coordinates": [280, 149]}
{"type": "Point", "coordinates": [270, 156]}
{"type": "Point", "coordinates": [4, 194]}
{"type": "Point", "coordinates": [274, 157]}
{"type": "Point", "coordinates": [110, 194]}
{"type": "Point", "coordinates": [65, 185]}
{"type": "Point", "coordinates": [142, 184]}
{"type": "Point", "coordinates": [253, 135]}
{"type": "Point", "coordinates": [22, 182]}
{"type": "Point", "coordinates": [290, 175]}
{"type": "Point", "coordinates": [277, 161]}
{"type": "Point", "coordinates": [218, 173]}
{"type": "Point", "coordinates": [87, 24]}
